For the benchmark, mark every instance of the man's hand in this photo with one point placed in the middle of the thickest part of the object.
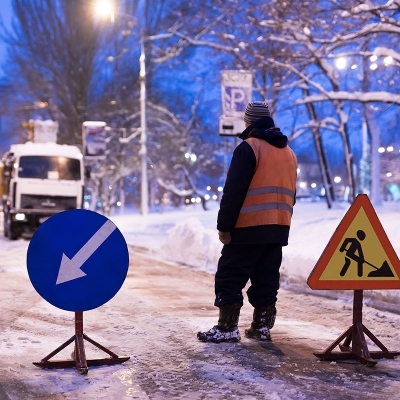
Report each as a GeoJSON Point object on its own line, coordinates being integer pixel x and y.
{"type": "Point", "coordinates": [224, 237]}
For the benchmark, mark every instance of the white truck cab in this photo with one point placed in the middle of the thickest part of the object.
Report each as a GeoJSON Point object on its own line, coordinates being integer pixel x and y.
{"type": "Point", "coordinates": [38, 181]}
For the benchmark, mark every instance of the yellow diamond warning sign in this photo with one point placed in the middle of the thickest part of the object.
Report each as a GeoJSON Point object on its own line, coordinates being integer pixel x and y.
{"type": "Point", "coordinates": [359, 254]}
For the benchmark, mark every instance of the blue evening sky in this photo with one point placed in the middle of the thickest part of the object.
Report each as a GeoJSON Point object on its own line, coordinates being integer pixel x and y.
{"type": "Point", "coordinates": [5, 15]}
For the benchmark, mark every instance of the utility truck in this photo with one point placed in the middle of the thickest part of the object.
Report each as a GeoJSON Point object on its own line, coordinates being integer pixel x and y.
{"type": "Point", "coordinates": [39, 180]}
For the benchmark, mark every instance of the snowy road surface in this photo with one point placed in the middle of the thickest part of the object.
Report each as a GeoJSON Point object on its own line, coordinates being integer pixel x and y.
{"type": "Point", "coordinates": [154, 319]}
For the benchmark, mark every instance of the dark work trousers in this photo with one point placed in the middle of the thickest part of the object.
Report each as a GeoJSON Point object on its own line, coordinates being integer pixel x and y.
{"type": "Point", "coordinates": [240, 262]}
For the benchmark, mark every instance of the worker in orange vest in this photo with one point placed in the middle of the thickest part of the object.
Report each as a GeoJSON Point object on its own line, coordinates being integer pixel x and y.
{"type": "Point", "coordinates": [253, 224]}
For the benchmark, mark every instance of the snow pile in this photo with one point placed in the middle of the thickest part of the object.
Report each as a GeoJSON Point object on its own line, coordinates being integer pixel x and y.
{"type": "Point", "coordinates": [190, 243]}
{"type": "Point", "coordinates": [189, 237]}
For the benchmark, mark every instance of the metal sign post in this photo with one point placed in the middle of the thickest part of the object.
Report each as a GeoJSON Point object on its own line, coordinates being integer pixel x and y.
{"type": "Point", "coordinates": [78, 260]}
{"type": "Point", "coordinates": [355, 334]}
{"type": "Point", "coordinates": [80, 361]}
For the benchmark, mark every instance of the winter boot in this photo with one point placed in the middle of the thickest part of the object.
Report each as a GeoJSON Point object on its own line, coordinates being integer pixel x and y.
{"type": "Point", "coordinates": [227, 328]}
{"type": "Point", "coordinates": [263, 321]}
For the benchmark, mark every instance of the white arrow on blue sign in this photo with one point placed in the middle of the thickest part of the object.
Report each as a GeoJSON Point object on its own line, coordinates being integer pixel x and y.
{"type": "Point", "coordinates": [77, 260]}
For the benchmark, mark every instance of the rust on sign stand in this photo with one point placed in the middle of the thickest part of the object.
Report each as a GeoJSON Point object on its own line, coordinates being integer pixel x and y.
{"type": "Point", "coordinates": [79, 357]}
{"type": "Point", "coordinates": [355, 334]}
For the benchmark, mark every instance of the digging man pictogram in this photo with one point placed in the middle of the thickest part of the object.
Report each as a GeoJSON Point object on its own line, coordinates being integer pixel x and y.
{"type": "Point", "coordinates": [353, 252]}
{"type": "Point", "coordinates": [352, 247]}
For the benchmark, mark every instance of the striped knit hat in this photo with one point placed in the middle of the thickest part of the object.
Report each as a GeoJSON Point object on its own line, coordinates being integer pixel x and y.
{"type": "Point", "coordinates": [256, 110]}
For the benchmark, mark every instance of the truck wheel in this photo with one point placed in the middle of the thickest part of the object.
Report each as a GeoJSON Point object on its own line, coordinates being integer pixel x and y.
{"type": "Point", "coordinates": [12, 230]}
{"type": "Point", "coordinates": [5, 227]}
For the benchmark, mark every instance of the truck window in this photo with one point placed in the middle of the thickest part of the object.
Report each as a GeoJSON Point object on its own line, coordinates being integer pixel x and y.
{"type": "Point", "coordinates": [49, 167]}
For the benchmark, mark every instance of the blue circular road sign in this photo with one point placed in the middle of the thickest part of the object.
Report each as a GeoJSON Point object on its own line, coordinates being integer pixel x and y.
{"type": "Point", "coordinates": [77, 260]}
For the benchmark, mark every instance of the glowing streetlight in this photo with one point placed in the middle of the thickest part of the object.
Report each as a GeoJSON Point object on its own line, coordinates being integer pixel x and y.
{"type": "Point", "coordinates": [337, 179]}
{"type": "Point", "coordinates": [105, 8]}
{"type": "Point", "coordinates": [341, 63]}
{"type": "Point", "coordinates": [388, 60]}
{"type": "Point", "coordinates": [191, 157]}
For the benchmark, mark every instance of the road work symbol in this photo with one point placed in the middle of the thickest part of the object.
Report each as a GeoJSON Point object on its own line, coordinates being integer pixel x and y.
{"type": "Point", "coordinates": [359, 254]}
{"type": "Point", "coordinates": [77, 260]}
{"type": "Point", "coordinates": [353, 250]}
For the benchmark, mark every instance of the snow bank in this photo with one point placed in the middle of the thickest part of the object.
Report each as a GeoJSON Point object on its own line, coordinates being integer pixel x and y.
{"type": "Point", "coordinates": [193, 243]}
{"type": "Point", "coordinates": [190, 243]}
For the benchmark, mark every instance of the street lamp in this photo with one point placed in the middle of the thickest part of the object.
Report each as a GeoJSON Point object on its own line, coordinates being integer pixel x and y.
{"type": "Point", "coordinates": [144, 204]}
{"type": "Point", "coordinates": [105, 7]}
{"type": "Point", "coordinates": [341, 63]}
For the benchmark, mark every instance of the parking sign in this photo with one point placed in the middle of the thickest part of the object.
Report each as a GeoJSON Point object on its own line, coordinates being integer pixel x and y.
{"type": "Point", "coordinates": [236, 92]}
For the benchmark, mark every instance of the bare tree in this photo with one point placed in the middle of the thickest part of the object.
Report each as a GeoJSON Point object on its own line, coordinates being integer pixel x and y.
{"type": "Point", "coordinates": [309, 45]}
{"type": "Point", "coordinates": [173, 127]}
{"type": "Point", "coordinates": [52, 50]}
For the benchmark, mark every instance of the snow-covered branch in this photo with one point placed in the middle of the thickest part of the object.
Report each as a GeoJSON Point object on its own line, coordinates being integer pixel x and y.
{"type": "Point", "coordinates": [368, 97]}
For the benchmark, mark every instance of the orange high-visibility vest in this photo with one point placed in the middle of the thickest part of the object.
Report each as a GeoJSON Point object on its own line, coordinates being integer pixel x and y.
{"type": "Point", "coordinates": [271, 193]}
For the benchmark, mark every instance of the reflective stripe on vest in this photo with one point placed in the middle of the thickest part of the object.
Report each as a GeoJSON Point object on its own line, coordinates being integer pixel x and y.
{"type": "Point", "coordinates": [270, 205]}
{"type": "Point", "coordinates": [270, 197]}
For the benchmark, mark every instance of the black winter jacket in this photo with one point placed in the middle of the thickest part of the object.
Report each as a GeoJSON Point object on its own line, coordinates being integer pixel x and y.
{"type": "Point", "coordinates": [238, 180]}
